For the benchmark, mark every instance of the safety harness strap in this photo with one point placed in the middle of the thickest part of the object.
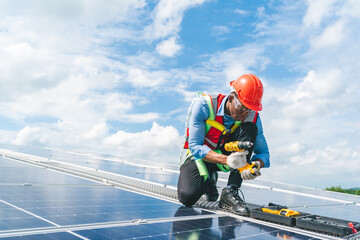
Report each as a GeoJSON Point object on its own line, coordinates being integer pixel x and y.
{"type": "Point", "coordinates": [210, 122]}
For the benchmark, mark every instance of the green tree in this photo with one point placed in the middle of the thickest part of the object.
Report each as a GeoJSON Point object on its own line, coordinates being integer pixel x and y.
{"type": "Point", "coordinates": [340, 189]}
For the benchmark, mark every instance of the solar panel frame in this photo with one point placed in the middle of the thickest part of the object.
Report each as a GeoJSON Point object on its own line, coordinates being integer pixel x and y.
{"type": "Point", "coordinates": [41, 185]}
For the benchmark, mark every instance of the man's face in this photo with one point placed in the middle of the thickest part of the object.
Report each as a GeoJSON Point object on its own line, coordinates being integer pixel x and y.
{"type": "Point", "coordinates": [238, 111]}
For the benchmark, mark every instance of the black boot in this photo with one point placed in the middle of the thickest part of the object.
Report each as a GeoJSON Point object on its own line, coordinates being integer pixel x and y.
{"type": "Point", "coordinates": [230, 200]}
{"type": "Point", "coordinates": [213, 194]}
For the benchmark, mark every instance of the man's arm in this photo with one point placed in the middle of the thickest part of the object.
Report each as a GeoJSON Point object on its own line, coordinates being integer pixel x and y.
{"type": "Point", "coordinates": [261, 150]}
{"type": "Point", "coordinates": [215, 157]}
{"type": "Point", "coordinates": [197, 128]}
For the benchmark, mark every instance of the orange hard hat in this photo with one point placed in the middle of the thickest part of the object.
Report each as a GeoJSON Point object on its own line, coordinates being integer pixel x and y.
{"type": "Point", "coordinates": [250, 90]}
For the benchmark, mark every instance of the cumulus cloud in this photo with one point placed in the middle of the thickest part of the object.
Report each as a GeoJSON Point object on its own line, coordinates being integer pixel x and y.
{"type": "Point", "coordinates": [64, 11]}
{"type": "Point", "coordinates": [97, 131]}
{"type": "Point", "coordinates": [313, 95]}
{"type": "Point", "coordinates": [322, 167]}
{"type": "Point", "coordinates": [318, 96]}
{"type": "Point", "coordinates": [168, 48]}
{"type": "Point", "coordinates": [306, 118]}
{"type": "Point", "coordinates": [234, 62]}
{"type": "Point", "coordinates": [167, 18]}
{"type": "Point", "coordinates": [141, 117]}
{"type": "Point", "coordinates": [157, 143]}
{"type": "Point", "coordinates": [331, 36]}
{"type": "Point", "coordinates": [290, 149]}
{"type": "Point", "coordinates": [143, 78]}
{"type": "Point", "coordinates": [30, 136]}
{"type": "Point", "coordinates": [56, 64]}
{"type": "Point", "coordinates": [74, 62]}
{"type": "Point", "coordinates": [316, 11]}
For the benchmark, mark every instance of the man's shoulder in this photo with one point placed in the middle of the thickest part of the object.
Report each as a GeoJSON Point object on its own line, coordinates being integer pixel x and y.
{"type": "Point", "coordinates": [201, 100]}
{"type": "Point", "coordinates": [200, 108]}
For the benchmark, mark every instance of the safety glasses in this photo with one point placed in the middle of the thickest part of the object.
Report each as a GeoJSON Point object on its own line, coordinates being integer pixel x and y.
{"type": "Point", "coordinates": [239, 107]}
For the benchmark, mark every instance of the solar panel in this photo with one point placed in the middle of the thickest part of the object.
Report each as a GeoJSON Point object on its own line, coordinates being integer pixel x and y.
{"type": "Point", "coordinates": [209, 228]}
{"type": "Point", "coordinates": [36, 202]}
{"type": "Point", "coordinates": [158, 172]}
{"type": "Point", "coordinates": [54, 236]}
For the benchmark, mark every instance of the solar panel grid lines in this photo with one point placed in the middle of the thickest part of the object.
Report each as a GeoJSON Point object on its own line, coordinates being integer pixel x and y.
{"type": "Point", "coordinates": [311, 192]}
{"type": "Point", "coordinates": [312, 235]}
{"type": "Point", "coordinates": [357, 203]}
{"type": "Point", "coordinates": [162, 205]}
{"type": "Point", "coordinates": [213, 230]}
{"type": "Point", "coordinates": [93, 226]}
{"type": "Point", "coordinates": [110, 178]}
{"type": "Point", "coordinates": [110, 163]}
{"type": "Point", "coordinates": [72, 167]}
{"type": "Point", "coordinates": [41, 218]}
{"type": "Point", "coordinates": [252, 185]}
{"type": "Point", "coordinates": [116, 159]}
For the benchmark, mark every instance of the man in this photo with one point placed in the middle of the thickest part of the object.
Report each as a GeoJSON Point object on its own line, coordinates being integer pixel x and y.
{"type": "Point", "coordinates": [213, 122]}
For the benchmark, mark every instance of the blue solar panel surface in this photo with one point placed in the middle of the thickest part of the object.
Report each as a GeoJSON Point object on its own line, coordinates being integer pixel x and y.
{"type": "Point", "coordinates": [53, 236]}
{"type": "Point", "coordinates": [72, 200]}
{"type": "Point", "coordinates": [52, 198]}
{"type": "Point", "coordinates": [107, 163]}
{"type": "Point", "coordinates": [210, 228]}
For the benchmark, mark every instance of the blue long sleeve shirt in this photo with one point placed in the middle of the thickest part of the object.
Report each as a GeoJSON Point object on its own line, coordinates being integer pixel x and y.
{"type": "Point", "coordinates": [197, 126]}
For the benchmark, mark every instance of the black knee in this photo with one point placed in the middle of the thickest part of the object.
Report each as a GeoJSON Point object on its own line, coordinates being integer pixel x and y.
{"type": "Point", "coordinates": [187, 197]}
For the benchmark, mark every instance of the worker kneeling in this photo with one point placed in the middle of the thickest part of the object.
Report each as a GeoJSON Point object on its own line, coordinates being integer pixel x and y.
{"type": "Point", "coordinates": [222, 133]}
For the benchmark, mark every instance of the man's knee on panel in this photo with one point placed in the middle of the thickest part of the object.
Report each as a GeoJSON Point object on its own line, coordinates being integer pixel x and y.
{"type": "Point", "coordinates": [187, 197]}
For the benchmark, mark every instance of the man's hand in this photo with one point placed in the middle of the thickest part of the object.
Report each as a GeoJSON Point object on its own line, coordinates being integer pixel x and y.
{"type": "Point", "coordinates": [247, 175]}
{"type": "Point", "coordinates": [237, 159]}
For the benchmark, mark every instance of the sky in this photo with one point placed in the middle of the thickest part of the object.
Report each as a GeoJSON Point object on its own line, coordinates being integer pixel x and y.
{"type": "Point", "coordinates": [118, 76]}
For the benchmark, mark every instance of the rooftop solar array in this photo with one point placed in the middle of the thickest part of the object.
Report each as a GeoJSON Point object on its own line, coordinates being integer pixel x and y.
{"type": "Point", "coordinates": [38, 202]}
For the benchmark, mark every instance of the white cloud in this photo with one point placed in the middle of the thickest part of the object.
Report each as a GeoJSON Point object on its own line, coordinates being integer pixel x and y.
{"type": "Point", "coordinates": [220, 30]}
{"type": "Point", "coordinates": [260, 11]}
{"type": "Point", "coordinates": [141, 78]}
{"type": "Point", "coordinates": [234, 62]}
{"type": "Point", "coordinates": [89, 12]}
{"type": "Point", "coordinates": [97, 131]}
{"type": "Point", "coordinates": [327, 84]}
{"type": "Point", "coordinates": [55, 64]}
{"type": "Point", "coordinates": [140, 117]}
{"type": "Point", "coordinates": [325, 167]}
{"type": "Point", "coordinates": [330, 37]}
{"type": "Point", "coordinates": [290, 149]}
{"type": "Point", "coordinates": [313, 96]}
{"type": "Point", "coordinates": [160, 143]}
{"type": "Point", "coordinates": [316, 11]}
{"type": "Point", "coordinates": [167, 18]}
{"type": "Point", "coordinates": [30, 136]}
{"type": "Point", "coordinates": [168, 48]}
{"type": "Point", "coordinates": [351, 9]}
{"type": "Point", "coordinates": [241, 12]}
{"type": "Point", "coordinates": [309, 102]}
{"type": "Point", "coordinates": [67, 61]}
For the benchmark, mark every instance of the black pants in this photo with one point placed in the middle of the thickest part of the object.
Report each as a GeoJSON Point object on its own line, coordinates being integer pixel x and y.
{"type": "Point", "coordinates": [191, 186]}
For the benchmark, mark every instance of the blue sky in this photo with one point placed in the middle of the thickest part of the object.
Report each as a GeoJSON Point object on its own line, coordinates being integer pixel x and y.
{"type": "Point", "coordinates": [117, 77]}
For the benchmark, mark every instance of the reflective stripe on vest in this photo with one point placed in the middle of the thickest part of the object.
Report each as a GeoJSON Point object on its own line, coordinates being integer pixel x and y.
{"type": "Point", "coordinates": [214, 129]}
